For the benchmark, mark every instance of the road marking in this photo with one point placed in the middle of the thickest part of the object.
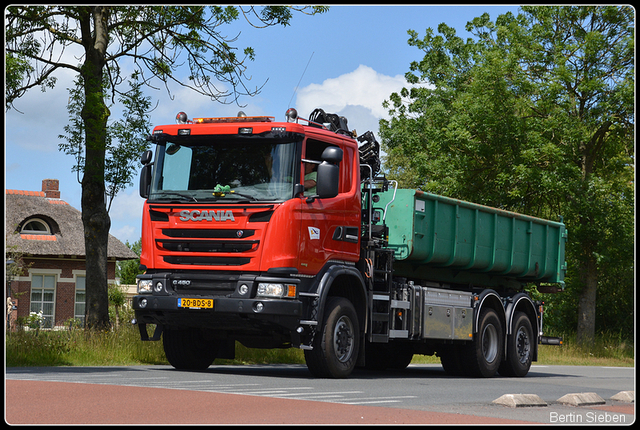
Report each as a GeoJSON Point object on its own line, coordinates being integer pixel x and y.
{"type": "Point", "coordinates": [374, 401]}
{"type": "Point", "coordinates": [364, 400]}
{"type": "Point", "coordinates": [323, 394]}
{"type": "Point", "coordinates": [267, 390]}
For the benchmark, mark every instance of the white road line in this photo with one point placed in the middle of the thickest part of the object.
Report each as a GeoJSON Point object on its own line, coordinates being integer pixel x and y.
{"type": "Point", "coordinates": [317, 397]}
{"type": "Point", "coordinates": [375, 401]}
{"type": "Point", "coordinates": [324, 393]}
{"type": "Point", "coordinates": [364, 400]}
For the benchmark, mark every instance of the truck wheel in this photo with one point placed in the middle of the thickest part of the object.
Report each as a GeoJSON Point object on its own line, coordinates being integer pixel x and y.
{"type": "Point", "coordinates": [375, 356]}
{"type": "Point", "coordinates": [400, 360]}
{"type": "Point", "coordinates": [484, 354]}
{"type": "Point", "coordinates": [187, 350]}
{"type": "Point", "coordinates": [335, 350]}
{"type": "Point", "coordinates": [519, 347]}
{"type": "Point", "coordinates": [381, 356]}
{"type": "Point", "coordinates": [451, 358]}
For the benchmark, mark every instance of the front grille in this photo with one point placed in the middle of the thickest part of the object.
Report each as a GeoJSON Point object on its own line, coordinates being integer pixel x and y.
{"type": "Point", "coordinates": [209, 284]}
{"type": "Point", "coordinates": [208, 245]}
{"type": "Point", "coordinates": [208, 234]}
{"type": "Point", "coordinates": [208, 241]}
{"type": "Point", "coordinates": [207, 261]}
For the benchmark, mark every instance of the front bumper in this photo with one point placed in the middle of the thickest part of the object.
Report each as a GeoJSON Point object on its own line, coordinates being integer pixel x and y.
{"type": "Point", "coordinates": [158, 306]}
{"type": "Point", "coordinates": [237, 310]}
{"type": "Point", "coordinates": [230, 318]}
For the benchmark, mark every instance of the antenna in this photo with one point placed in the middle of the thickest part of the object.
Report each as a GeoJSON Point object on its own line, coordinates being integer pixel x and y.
{"type": "Point", "coordinates": [305, 70]}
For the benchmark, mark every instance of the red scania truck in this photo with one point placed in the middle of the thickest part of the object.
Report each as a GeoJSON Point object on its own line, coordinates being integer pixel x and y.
{"type": "Point", "coordinates": [283, 234]}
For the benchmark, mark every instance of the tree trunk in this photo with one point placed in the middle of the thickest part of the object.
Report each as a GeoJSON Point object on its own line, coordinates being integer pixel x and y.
{"type": "Point", "coordinates": [587, 303]}
{"type": "Point", "coordinates": [95, 217]}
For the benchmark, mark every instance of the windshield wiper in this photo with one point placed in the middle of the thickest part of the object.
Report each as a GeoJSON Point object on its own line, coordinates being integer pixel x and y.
{"type": "Point", "coordinates": [246, 196]}
{"type": "Point", "coordinates": [185, 196]}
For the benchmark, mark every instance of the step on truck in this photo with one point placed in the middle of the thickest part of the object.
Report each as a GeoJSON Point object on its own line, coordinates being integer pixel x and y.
{"type": "Point", "coordinates": [284, 234]}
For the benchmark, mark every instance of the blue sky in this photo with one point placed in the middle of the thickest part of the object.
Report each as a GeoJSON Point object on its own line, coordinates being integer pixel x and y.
{"type": "Point", "coordinates": [359, 55]}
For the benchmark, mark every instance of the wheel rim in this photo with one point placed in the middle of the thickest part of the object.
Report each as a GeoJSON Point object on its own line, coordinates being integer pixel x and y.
{"type": "Point", "coordinates": [343, 339]}
{"type": "Point", "coordinates": [490, 343]}
{"type": "Point", "coordinates": [523, 345]}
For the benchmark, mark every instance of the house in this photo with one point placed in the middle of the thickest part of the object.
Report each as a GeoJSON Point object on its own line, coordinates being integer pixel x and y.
{"type": "Point", "coordinates": [48, 235]}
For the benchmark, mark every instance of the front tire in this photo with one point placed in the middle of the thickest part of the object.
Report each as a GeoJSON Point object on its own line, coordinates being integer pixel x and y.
{"type": "Point", "coordinates": [335, 350]}
{"type": "Point", "coordinates": [186, 349]}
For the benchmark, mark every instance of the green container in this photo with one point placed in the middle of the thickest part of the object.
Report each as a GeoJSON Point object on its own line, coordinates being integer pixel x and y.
{"type": "Point", "coordinates": [456, 241]}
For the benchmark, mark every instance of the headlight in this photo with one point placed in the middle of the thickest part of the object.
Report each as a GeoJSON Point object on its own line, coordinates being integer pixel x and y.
{"type": "Point", "coordinates": [145, 286]}
{"type": "Point", "coordinates": [276, 290]}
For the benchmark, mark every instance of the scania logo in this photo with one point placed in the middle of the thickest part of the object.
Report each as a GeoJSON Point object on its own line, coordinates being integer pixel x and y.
{"type": "Point", "coordinates": [205, 215]}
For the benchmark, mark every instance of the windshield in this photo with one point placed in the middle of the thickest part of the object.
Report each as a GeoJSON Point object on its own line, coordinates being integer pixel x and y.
{"type": "Point", "coordinates": [231, 168]}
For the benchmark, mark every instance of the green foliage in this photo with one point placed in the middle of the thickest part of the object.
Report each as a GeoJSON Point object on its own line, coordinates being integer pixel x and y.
{"type": "Point", "coordinates": [117, 296]}
{"type": "Point", "coordinates": [24, 348]}
{"type": "Point", "coordinates": [125, 137]}
{"type": "Point", "coordinates": [533, 114]}
{"type": "Point", "coordinates": [128, 270]}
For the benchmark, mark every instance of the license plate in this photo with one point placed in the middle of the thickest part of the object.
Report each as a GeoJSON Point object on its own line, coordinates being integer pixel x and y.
{"type": "Point", "coordinates": [195, 303]}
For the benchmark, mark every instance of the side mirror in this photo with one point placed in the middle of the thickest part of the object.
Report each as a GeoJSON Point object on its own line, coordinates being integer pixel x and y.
{"type": "Point", "coordinates": [328, 179]}
{"type": "Point", "coordinates": [332, 154]}
{"type": "Point", "coordinates": [146, 157]}
{"type": "Point", "coordinates": [145, 181]}
{"type": "Point", "coordinates": [145, 174]}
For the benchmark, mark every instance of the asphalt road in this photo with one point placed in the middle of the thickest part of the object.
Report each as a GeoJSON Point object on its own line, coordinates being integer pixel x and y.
{"type": "Point", "coordinates": [288, 394]}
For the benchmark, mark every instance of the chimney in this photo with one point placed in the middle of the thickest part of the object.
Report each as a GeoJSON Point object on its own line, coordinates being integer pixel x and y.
{"type": "Point", "coordinates": [50, 188]}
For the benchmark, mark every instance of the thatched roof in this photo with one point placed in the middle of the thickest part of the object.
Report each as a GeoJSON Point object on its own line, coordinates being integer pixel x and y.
{"type": "Point", "coordinates": [66, 236]}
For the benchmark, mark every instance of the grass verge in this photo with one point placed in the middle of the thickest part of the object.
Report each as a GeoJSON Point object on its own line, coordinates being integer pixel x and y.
{"type": "Point", "coordinates": [123, 347]}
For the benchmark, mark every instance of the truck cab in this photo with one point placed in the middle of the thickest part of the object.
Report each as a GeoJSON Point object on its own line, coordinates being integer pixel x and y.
{"type": "Point", "coordinates": [233, 243]}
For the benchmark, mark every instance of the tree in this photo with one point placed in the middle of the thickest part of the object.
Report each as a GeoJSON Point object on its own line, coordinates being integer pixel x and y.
{"type": "Point", "coordinates": [157, 41]}
{"type": "Point", "coordinates": [125, 141]}
{"type": "Point", "coordinates": [532, 114]}
{"type": "Point", "coordinates": [118, 298]}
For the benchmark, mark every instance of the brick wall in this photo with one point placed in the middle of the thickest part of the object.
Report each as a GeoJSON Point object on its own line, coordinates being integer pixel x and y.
{"type": "Point", "coordinates": [65, 285]}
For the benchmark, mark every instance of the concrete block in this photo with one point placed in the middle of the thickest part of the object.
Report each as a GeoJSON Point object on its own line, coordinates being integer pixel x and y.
{"type": "Point", "coordinates": [625, 396]}
{"type": "Point", "coordinates": [581, 399]}
{"type": "Point", "coordinates": [520, 400]}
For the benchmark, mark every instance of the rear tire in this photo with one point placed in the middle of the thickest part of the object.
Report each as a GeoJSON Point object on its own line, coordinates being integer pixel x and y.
{"type": "Point", "coordinates": [186, 349]}
{"type": "Point", "coordinates": [519, 347]}
{"type": "Point", "coordinates": [381, 356]}
{"type": "Point", "coordinates": [484, 354]}
{"type": "Point", "coordinates": [335, 349]}
{"type": "Point", "coordinates": [451, 358]}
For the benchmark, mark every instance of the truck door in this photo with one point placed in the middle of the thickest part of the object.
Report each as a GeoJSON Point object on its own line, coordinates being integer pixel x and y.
{"type": "Point", "coordinates": [319, 217]}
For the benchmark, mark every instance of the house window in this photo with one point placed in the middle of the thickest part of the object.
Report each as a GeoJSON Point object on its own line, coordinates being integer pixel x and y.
{"type": "Point", "coordinates": [35, 226]}
{"type": "Point", "coordinates": [81, 298]}
{"type": "Point", "coordinates": [43, 297]}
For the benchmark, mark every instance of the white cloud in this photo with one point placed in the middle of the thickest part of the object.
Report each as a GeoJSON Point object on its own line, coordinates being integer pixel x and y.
{"type": "Point", "coordinates": [359, 93]}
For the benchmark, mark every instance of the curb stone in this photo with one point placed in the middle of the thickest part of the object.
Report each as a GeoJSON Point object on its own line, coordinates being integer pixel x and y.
{"type": "Point", "coordinates": [625, 396]}
{"type": "Point", "coordinates": [520, 400]}
{"type": "Point", "coordinates": [581, 399]}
